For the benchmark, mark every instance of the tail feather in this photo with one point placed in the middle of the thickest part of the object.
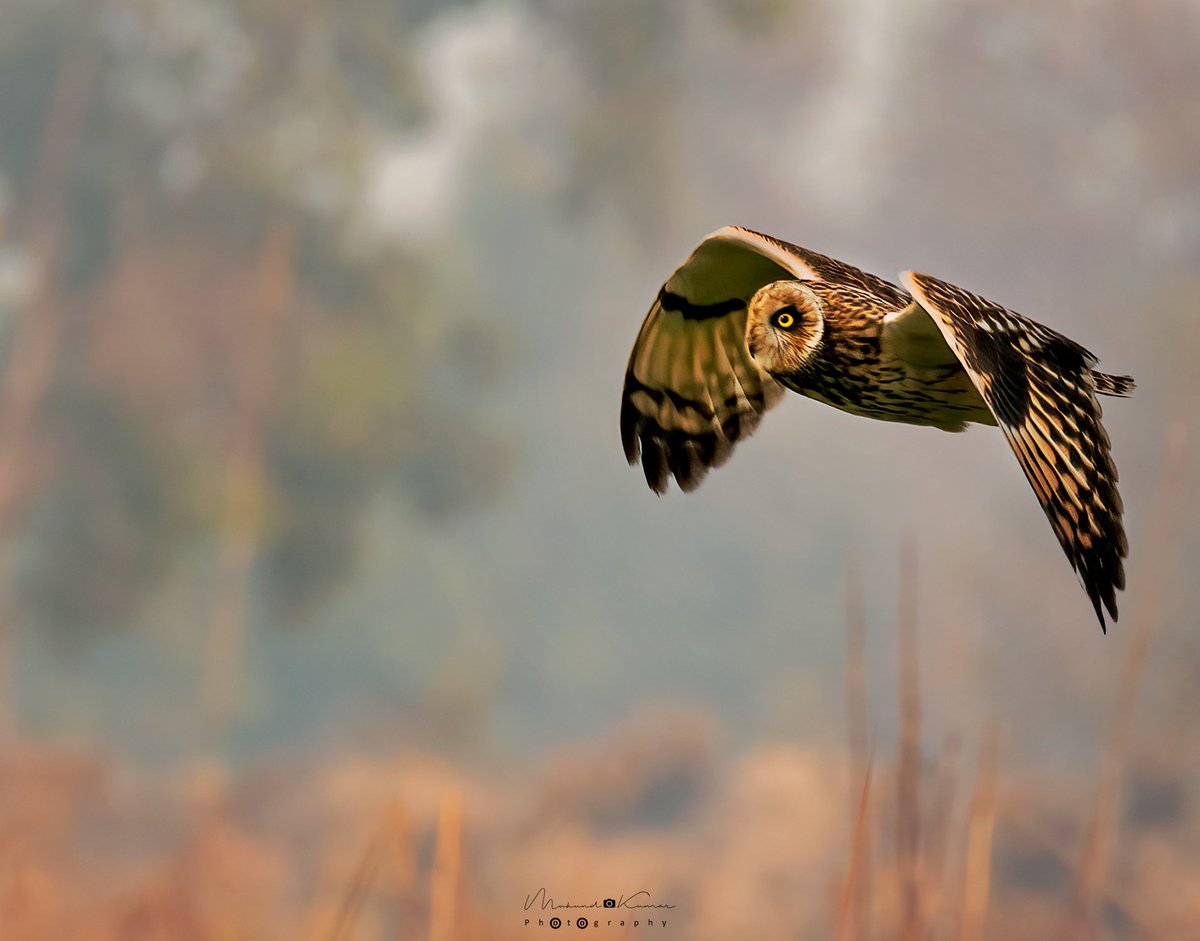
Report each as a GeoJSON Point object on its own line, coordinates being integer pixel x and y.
{"type": "Point", "coordinates": [1113, 385]}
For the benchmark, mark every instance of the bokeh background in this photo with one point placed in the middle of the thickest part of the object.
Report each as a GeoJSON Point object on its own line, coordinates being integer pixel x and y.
{"type": "Point", "coordinates": [329, 605]}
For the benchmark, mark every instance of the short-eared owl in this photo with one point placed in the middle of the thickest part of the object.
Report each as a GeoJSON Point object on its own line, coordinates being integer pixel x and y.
{"type": "Point", "coordinates": [747, 316]}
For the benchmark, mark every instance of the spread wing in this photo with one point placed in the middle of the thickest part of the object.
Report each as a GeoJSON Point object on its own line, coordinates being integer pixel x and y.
{"type": "Point", "coordinates": [691, 389]}
{"type": "Point", "coordinates": [1042, 390]}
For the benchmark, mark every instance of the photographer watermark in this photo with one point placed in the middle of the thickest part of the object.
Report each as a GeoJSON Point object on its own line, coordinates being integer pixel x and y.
{"type": "Point", "coordinates": [634, 910]}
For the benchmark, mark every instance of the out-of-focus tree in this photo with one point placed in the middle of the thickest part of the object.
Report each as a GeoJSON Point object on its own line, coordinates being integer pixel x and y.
{"type": "Point", "coordinates": [234, 360]}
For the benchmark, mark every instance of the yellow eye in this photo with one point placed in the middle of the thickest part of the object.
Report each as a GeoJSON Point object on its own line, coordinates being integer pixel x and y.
{"type": "Point", "coordinates": [784, 320]}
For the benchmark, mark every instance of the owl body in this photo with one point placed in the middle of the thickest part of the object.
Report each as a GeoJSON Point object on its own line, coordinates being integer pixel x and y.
{"type": "Point", "coordinates": [748, 316]}
{"type": "Point", "coordinates": [854, 369]}
{"type": "Point", "coordinates": [940, 397]}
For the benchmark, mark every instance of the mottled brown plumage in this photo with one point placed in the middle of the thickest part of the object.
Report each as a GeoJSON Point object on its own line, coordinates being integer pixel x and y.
{"type": "Point", "coordinates": [747, 316]}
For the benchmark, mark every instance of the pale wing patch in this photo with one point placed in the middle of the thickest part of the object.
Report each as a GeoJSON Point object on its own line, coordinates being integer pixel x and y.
{"type": "Point", "coordinates": [910, 335]}
{"type": "Point", "coordinates": [1041, 388]}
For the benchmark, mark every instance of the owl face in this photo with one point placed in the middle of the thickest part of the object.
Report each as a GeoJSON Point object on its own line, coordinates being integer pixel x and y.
{"type": "Point", "coordinates": [784, 327]}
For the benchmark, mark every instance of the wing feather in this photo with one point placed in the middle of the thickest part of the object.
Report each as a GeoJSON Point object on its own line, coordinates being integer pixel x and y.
{"type": "Point", "coordinates": [691, 389]}
{"type": "Point", "coordinates": [1042, 390]}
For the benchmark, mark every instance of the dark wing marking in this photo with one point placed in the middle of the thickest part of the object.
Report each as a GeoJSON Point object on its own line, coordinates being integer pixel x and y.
{"type": "Point", "coordinates": [1042, 390]}
{"type": "Point", "coordinates": [691, 389]}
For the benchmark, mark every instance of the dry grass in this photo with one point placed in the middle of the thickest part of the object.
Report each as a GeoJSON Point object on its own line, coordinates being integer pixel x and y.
{"type": "Point", "coordinates": [88, 851]}
{"type": "Point", "coordinates": [854, 907]}
{"type": "Point", "coordinates": [977, 878]}
{"type": "Point", "coordinates": [774, 842]}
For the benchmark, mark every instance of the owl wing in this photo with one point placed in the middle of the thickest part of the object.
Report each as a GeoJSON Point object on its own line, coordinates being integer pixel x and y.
{"type": "Point", "coordinates": [691, 389]}
{"type": "Point", "coordinates": [1042, 391]}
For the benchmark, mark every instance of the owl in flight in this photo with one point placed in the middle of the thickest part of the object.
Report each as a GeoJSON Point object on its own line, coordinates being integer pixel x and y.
{"type": "Point", "coordinates": [747, 316]}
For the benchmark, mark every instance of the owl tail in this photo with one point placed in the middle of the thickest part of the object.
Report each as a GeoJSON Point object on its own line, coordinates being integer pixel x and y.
{"type": "Point", "coordinates": [1113, 385]}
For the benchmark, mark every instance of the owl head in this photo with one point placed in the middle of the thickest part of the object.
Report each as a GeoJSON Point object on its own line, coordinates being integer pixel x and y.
{"type": "Point", "coordinates": [784, 327]}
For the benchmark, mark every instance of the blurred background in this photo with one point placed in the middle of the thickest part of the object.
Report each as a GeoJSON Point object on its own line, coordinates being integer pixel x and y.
{"type": "Point", "coordinates": [329, 606]}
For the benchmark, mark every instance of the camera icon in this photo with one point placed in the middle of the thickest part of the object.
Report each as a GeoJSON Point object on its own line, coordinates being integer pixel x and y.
{"type": "Point", "coordinates": [610, 903]}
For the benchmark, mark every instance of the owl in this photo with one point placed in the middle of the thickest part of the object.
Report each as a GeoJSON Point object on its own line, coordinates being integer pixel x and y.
{"type": "Point", "coordinates": [748, 316]}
